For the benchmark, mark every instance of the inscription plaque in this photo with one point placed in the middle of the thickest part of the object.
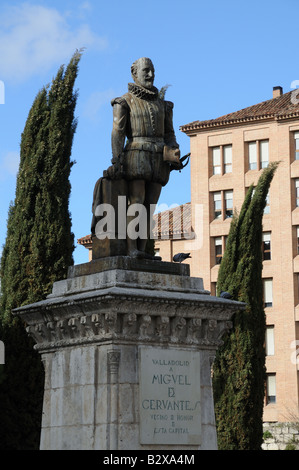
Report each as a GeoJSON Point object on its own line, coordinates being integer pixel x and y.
{"type": "Point", "coordinates": [169, 384]}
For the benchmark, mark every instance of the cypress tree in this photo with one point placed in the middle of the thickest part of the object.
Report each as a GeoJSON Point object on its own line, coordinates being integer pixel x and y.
{"type": "Point", "coordinates": [239, 367]}
{"type": "Point", "coordinates": [38, 249]}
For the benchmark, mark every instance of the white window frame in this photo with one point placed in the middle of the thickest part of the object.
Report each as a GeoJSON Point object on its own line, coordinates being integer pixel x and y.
{"type": "Point", "coordinates": [266, 240]}
{"type": "Point", "coordinates": [252, 155]}
{"type": "Point", "coordinates": [296, 145]}
{"type": "Point", "coordinates": [271, 388]}
{"type": "Point", "coordinates": [222, 204]}
{"type": "Point", "coordinates": [269, 340]}
{"type": "Point", "coordinates": [218, 242]}
{"type": "Point", "coordinates": [268, 292]}
{"type": "Point", "coordinates": [229, 204]}
{"type": "Point", "coordinates": [297, 192]}
{"type": "Point", "coordinates": [228, 158]}
{"type": "Point", "coordinates": [217, 200]}
{"type": "Point", "coordinates": [258, 154]}
{"type": "Point", "coordinates": [222, 159]}
{"type": "Point", "coordinates": [264, 153]}
{"type": "Point", "coordinates": [216, 157]}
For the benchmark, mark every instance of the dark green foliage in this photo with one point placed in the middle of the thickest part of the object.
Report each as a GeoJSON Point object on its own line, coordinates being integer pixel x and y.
{"type": "Point", "coordinates": [21, 390]}
{"type": "Point", "coordinates": [38, 249]}
{"type": "Point", "coordinates": [239, 368]}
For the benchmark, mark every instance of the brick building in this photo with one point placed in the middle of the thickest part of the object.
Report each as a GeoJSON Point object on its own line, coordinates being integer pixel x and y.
{"type": "Point", "coordinates": [228, 155]}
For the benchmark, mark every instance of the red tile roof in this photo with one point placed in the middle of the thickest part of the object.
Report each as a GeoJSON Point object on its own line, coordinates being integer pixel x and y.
{"type": "Point", "coordinates": [174, 223]}
{"type": "Point", "coordinates": [85, 241]}
{"type": "Point", "coordinates": [285, 106]}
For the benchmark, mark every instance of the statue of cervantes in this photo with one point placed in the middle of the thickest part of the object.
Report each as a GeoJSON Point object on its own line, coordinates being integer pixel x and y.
{"type": "Point", "coordinates": [144, 145]}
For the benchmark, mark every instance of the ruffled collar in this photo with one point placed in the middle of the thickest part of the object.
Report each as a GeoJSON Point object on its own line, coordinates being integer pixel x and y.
{"type": "Point", "coordinates": [143, 93]}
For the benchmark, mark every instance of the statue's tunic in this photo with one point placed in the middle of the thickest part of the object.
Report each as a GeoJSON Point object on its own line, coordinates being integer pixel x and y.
{"type": "Point", "coordinates": [146, 121]}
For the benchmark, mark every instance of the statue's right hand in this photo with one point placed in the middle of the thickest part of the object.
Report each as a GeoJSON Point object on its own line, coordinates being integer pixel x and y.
{"type": "Point", "coordinates": [115, 171]}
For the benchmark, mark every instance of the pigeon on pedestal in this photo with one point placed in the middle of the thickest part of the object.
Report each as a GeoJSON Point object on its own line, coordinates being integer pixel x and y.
{"type": "Point", "coordinates": [179, 257]}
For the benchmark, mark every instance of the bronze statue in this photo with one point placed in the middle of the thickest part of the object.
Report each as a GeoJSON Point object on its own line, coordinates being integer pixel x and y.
{"type": "Point", "coordinates": [144, 146]}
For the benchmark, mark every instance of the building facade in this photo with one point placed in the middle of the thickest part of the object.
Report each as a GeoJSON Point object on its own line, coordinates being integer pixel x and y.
{"type": "Point", "coordinates": [228, 155]}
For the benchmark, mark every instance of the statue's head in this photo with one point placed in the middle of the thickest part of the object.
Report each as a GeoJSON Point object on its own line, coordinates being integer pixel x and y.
{"type": "Point", "coordinates": [143, 72]}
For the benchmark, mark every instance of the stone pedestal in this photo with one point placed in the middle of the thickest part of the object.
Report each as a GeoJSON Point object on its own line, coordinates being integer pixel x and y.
{"type": "Point", "coordinates": [127, 347]}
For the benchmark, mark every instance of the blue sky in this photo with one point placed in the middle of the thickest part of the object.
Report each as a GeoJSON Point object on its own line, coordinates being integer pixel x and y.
{"type": "Point", "coordinates": [218, 57]}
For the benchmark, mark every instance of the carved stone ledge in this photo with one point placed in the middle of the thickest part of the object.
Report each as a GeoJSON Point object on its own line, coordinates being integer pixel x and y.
{"type": "Point", "coordinates": [145, 327]}
{"type": "Point", "coordinates": [129, 315]}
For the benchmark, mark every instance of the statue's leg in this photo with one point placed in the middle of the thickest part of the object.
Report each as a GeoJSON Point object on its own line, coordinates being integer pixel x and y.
{"type": "Point", "coordinates": [152, 194]}
{"type": "Point", "coordinates": [147, 194]}
{"type": "Point", "coordinates": [136, 196]}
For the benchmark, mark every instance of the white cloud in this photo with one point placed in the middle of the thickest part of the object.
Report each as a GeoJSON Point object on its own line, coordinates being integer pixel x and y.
{"type": "Point", "coordinates": [33, 38]}
{"type": "Point", "coordinates": [96, 101]}
{"type": "Point", "coordinates": [9, 164]}
{"type": "Point", "coordinates": [85, 6]}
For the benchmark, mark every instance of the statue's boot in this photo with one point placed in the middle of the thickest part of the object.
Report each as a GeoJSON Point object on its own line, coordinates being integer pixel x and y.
{"type": "Point", "coordinates": [143, 255]}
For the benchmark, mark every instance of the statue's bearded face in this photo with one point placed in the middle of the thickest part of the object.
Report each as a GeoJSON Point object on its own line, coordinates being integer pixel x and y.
{"type": "Point", "coordinates": [144, 73]}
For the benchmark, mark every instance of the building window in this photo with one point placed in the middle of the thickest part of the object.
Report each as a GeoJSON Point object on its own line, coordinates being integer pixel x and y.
{"type": "Point", "coordinates": [258, 154]}
{"type": "Point", "coordinates": [228, 201]}
{"type": "Point", "coordinates": [223, 204]}
{"type": "Point", "coordinates": [297, 191]}
{"type": "Point", "coordinates": [296, 142]}
{"type": "Point", "coordinates": [264, 153]}
{"type": "Point", "coordinates": [228, 158]}
{"type": "Point", "coordinates": [297, 239]}
{"type": "Point", "coordinates": [267, 206]}
{"type": "Point", "coordinates": [271, 388]}
{"type": "Point", "coordinates": [217, 205]}
{"type": "Point", "coordinates": [266, 246]}
{"type": "Point", "coordinates": [269, 342]}
{"type": "Point", "coordinates": [268, 295]}
{"type": "Point", "coordinates": [216, 161]}
{"type": "Point", "coordinates": [218, 249]}
{"type": "Point", "coordinates": [252, 156]}
{"type": "Point", "coordinates": [222, 159]}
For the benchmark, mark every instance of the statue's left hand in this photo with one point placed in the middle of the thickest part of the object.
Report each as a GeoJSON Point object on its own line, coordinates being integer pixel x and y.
{"type": "Point", "coordinates": [181, 164]}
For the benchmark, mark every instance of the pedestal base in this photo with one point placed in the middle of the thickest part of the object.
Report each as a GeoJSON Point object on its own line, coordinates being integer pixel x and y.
{"type": "Point", "coordinates": [127, 354]}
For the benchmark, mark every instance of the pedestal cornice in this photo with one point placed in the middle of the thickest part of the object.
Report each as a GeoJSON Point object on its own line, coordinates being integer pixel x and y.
{"type": "Point", "coordinates": [105, 307]}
